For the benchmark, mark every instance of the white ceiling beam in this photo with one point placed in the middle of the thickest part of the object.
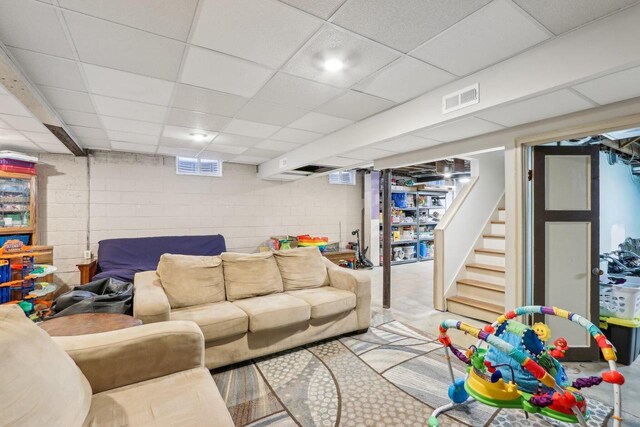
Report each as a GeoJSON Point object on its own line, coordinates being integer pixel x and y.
{"type": "Point", "coordinates": [592, 51]}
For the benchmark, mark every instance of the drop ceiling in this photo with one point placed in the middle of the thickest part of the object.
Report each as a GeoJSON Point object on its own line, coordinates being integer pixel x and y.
{"type": "Point", "coordinates": [145, 76]}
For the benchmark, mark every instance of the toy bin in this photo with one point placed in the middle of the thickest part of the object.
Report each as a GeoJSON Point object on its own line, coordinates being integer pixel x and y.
{"type": "Point", "coordinates": [5, 271]}
{"type": "Point", "coordinates": [622, 301]}
{"type": "Point", "coordinates": [5, 293]}
{"type": "Point", "coordinates": [625, 337]}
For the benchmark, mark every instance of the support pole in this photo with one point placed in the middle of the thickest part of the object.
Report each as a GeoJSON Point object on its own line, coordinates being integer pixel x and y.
{"type": "Point", "coordinates": [386, 238]}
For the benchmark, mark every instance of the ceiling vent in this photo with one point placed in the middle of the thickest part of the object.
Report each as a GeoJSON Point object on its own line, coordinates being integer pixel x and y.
{"type": "Point", "coordinates": [460, 99]}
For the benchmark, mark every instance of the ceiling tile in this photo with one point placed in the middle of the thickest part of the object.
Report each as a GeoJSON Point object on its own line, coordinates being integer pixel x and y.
{"type": "Point", "coordinates": [84, 132]}
{"type": "Point", "coordinates": [136, 138]}
{"type": "Point", "coordinates": [404, 79]}
{"type": "Point", "coordinates": [320, 8]}
{"type": "Point", "coordinates": [123, 48]}
{"type": "Point", "coordinates": [562, 16]}
{"type": "Point", "coordinates": [355, 106]}
{"type": "Point", "coordinates": [4, 125]}
{"type": "Point", "coordinates": [249, 160]}
{"type": "Point", "coordinates": [41, 137]}
{"type": "Point", "coordinates": [224, 73]}
{"type": "Point", "coordinates": [134, 126]}
{"type": "Point", "coordinates": [116, 107]}
{"type": "Point", "coordinates": [22, 146]}
{"type": "Point", "coordinates": [24, 123]}
{"type": "Point", "coordinates": [338, 161]}
{"type": "Point", "coordinates": [360, 57]}
{"type": "Point", "coordinates": [11, 135]}
{"type": "Point", "coordinates": [207, 101]}
{"type": "Point", "coordinates": [496, 32]}
{"type": "Point", "coordinates": [286, 89]}
{"type": "Point", "coordinates": [171, 18]}
{"type": "Point", "coordinates": [173, 151]}
{"type": "Point", "coordinates": [120, 84]}
{"type": "Point", "coordinates": [403, 24]}
{"type": "Point", "coordinates": [192, 119]}
{"type": "Point", "coordinates": [295, 135]}
{"type": "Point", "coordinates": [459, 129]}
{"type": "Point", "coordinates": [253, 129]}
{"type": "Point", "coordinates": [266, 112]}
{"type": "Point", "coordinates": [10, 105]}
{"type": "Point", "coordinates": [183, 143]}
{"type": "Point", "coordinates": [541, 107]}
{"type": "Point", "coordinates": [67, 99]}
{"type": "Point", "coordinates": [261, 152]}
{"type": "Point", "coordinates": [17, 28]}
{"type": "Point", "coordinates": [406, 143]}
{"type": "Point", "coordinates": [276, 31]}
{"type": "Point", "coordinates": [216, 155]}
{"type": "Point", "coordinates": [320, 123]}
{"type": "Point", "coordinates": [79, 118]}
{"type": "Point", "coordinates": [185, 134]}
{"type": "Point", "coordinates": [50, 70]}
{"type": "Point", "coordinates": [234, 140]}
{"type": "Point", "coordinates": [58, 148]}
{"type": "Point", "coordinates": [95, 143]}
{"type": "Point", "coordinates": [612, 88]}
{"type": "Point", "coordinates": [132, 148]}
{"type": "Point", "coordinates": [228, 149]}
{"type": "Point", "coordinates": [367, 153]}
{"type": "Point", "coordinates": [281, 146]}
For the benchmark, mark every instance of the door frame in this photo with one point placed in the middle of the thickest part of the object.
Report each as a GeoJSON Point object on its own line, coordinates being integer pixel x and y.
{"type": "Point", "coordinates": [540, 218]}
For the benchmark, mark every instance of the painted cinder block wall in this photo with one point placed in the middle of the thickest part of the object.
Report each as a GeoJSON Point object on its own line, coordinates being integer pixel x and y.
{"type": "Point", "coordinates": [109, 195]}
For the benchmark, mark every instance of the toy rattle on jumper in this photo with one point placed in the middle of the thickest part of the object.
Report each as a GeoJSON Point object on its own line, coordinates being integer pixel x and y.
{"type": "Point", "coordinates": [516, 370]}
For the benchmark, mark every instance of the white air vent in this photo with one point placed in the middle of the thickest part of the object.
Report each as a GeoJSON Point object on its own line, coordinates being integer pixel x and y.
{"type": "Point", "coordinates": [283, 162]}
{"type": "Point", "coordinates": [204, 167]}
{"type": "Point", "coordinates": [461, 99]}
{"type": "Point", "coordinates": [343, 177]}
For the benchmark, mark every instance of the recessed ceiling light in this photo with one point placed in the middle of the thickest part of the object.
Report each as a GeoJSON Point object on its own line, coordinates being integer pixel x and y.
{"type": "Point", "coordinates": [198, 136]}
{"type": "Point", "coordinates": [333, 65]}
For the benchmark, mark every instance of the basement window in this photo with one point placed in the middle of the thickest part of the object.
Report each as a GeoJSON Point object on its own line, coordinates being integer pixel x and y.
{"type": "Point", "coordinates": [202, 167]}
{"type": "Point", "coordinates": [343, 177]}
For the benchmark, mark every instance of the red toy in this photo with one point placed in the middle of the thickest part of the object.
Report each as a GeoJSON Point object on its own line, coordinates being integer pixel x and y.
{"type": "Point", "coordinates": [560, 348]}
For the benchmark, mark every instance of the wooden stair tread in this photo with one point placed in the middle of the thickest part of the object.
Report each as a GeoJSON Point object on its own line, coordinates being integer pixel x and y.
{"type": "Point", "coordinates": [498, 222]}
{"type": "Point", "coordinates": [481, 284]}
{"type": "Point", "coordinates": [489, 251]}
{"type": "Point", "coordinates": [493, 236]}
{"type": "Point", "coordinates": [488, 267]}
{"type": "Point", "coordinates": [486, 306]}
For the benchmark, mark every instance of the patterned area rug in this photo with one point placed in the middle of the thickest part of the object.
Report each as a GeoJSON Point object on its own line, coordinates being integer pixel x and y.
{"type": "Point", "coordinates": [389, 376]}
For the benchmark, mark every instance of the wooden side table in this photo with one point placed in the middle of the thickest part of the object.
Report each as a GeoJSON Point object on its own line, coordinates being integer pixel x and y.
{"type": "Point", "coordinates": [87, 269]}
{"type": "Point", "coordinates": [335, 257]}
{"type": "Point", "coordinates": [88, 323]}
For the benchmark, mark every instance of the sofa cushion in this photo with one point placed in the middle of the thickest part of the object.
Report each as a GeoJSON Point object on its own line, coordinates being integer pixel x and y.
{"type": "Point", "coordinates": [302, 268]}
{"type": "Point", "coordinates": [217, 320]}
{"type": "Point", "coordinates": [326, 301]}
{"type": "Point", "coordinates": [186, 398]}
{"type": "Point", "coordinates": [39, 383]}
{"type": "Point", "coordinates": [250, 275]}
{"type": "Point", "coordinates": [274, 311]}
{"type": "Point", "coordinates": [191, 280]}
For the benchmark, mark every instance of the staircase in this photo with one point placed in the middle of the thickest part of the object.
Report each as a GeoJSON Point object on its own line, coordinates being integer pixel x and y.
{"type": "Point", "coordinates": [479, 292]}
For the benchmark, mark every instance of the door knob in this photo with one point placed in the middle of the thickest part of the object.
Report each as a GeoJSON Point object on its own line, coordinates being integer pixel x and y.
{"type": "Point", "coordinates": [597, 272]}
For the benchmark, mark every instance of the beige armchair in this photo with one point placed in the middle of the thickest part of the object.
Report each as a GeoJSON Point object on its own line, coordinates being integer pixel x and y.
{"type": "Point", "coordinates": [151, 375]}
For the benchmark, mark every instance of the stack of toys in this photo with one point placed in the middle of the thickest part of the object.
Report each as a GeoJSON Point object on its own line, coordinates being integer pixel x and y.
{"type": "Point", "coordinates": [17, 279]}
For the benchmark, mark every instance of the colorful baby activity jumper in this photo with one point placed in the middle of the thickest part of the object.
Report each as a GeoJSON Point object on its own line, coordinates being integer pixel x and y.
{"type": "Point", "coordinates": [512, 367]}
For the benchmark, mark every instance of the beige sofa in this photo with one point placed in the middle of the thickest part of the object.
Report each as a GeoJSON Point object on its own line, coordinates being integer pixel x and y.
{"type": "Point", "coordinates": [252, 305]}
{"type": "Point", "coordinates": [130, 377]}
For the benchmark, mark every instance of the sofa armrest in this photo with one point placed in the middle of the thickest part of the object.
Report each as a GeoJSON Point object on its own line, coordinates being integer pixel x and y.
{"type": "Point", "coordinates": [127, 356]}
{"type": "Point", "coordinates": [357, 282]}
{"type": "Point", "coordinates": [87, 269]}
{"type": "Point", "coordinates": [150, 303]}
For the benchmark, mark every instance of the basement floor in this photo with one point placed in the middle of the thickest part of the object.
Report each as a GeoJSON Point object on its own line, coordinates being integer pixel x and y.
{"type": "Point", "coordinates": [412, 304]}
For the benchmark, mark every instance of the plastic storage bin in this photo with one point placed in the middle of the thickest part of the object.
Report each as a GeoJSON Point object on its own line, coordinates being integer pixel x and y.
{"type": "Point", "coordinates": [622, 301]}
{"type": "Point", "coordinates": [625, 337]}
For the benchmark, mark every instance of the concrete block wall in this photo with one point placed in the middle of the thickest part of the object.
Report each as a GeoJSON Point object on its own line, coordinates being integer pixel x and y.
{"type": "Point", "coordinates": [135, 195]}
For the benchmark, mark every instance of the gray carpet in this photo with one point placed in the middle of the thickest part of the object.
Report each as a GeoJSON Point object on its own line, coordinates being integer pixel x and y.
{"type": "Point", "coordinates": [390, 376]}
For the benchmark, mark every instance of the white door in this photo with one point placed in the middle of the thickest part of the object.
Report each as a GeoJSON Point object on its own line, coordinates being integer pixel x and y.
{"type": "Point", "coordinates": [566, 245]}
